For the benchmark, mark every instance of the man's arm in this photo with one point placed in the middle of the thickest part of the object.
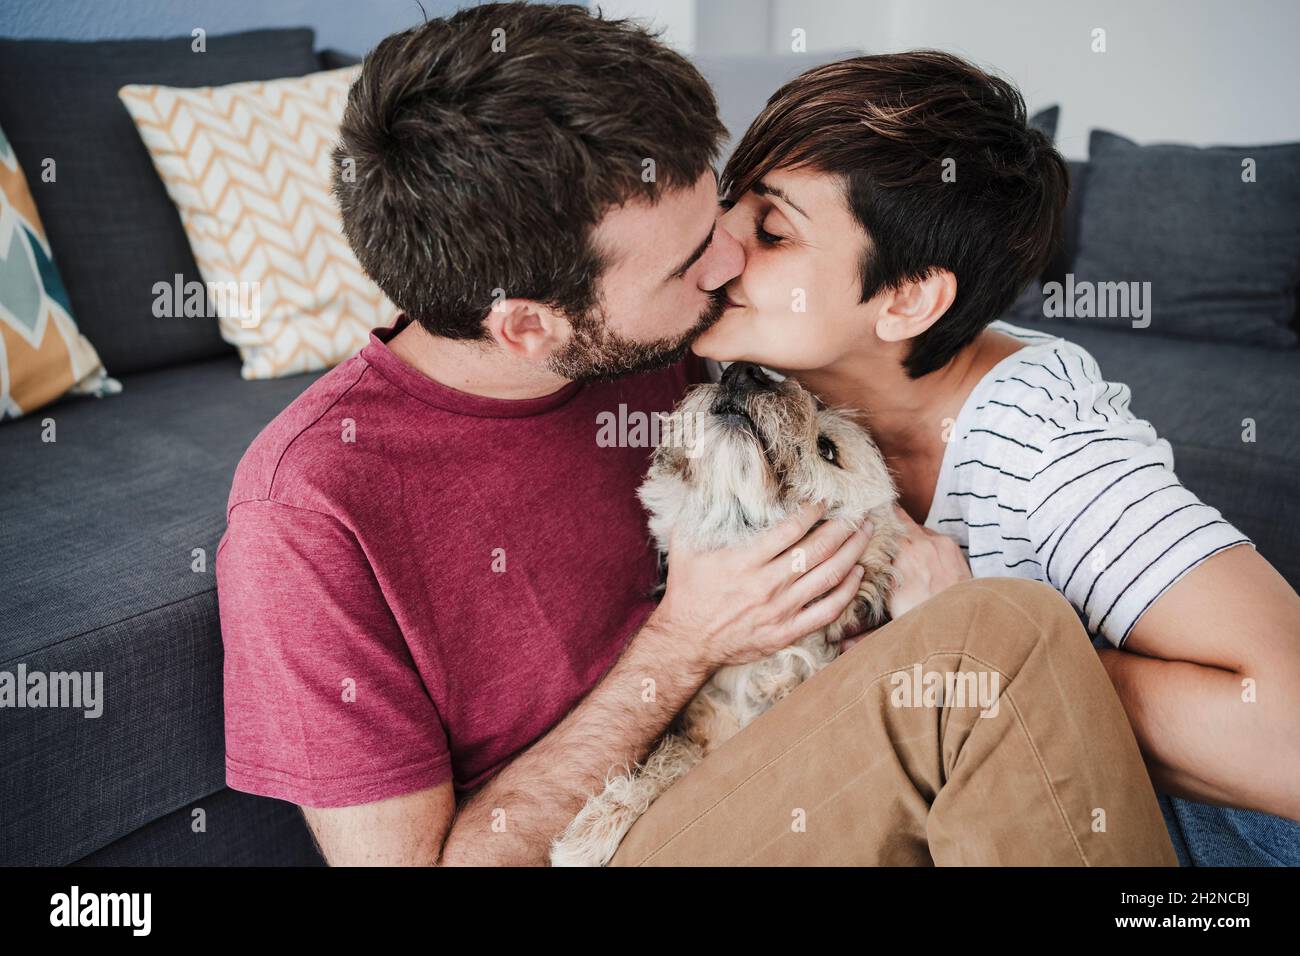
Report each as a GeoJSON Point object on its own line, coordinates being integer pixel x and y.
{"type": "Point", "coordinates": [1212, 686]}
{"type": "Point", "coordinates": [512, 819]}
{"type": "Point", "coordinates": [400, 831]}
{"type": "Point", "coordinates": [719, 608]}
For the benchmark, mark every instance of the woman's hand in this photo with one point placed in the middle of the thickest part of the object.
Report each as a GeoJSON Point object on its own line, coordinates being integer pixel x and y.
{"type": "Point", "coordinates": [926, 564]}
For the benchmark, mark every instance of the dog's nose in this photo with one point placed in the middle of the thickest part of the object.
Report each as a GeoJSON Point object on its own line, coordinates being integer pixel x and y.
{"type": "Point", "coordinates": [743, 377]}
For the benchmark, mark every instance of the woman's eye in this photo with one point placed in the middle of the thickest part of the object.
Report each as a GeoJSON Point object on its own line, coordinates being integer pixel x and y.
{"type": "Point", "coordinates": [826, 448]}
{"type": "Point", "coordinates": [726, 203]}
{"type": "Point", "coordinates": [765, 237]}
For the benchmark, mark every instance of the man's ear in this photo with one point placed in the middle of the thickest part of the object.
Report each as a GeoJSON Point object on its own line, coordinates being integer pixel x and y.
{"type": "Point", "coordinates": [916, 305]}
{"type": "Point", "coordinates": [527, 329]}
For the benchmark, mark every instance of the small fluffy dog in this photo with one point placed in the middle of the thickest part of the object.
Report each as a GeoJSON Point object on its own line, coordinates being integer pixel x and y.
{"type": "Point", "coordinates": [753, 451]}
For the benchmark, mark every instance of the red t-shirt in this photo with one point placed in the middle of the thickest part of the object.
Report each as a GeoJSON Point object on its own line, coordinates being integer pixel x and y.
{"type": "Point", "coordinates": [417, 583]}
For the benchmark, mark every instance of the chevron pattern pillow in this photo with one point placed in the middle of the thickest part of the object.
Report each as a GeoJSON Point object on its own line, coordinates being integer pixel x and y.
{"type": "Point", "coordinates": [248, 167]}
{"type": "Point", "coordinates": [42, 355]}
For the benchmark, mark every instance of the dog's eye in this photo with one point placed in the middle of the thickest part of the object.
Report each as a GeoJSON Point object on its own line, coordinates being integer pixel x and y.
{"type": "Point", "coordinates": [826, 448]}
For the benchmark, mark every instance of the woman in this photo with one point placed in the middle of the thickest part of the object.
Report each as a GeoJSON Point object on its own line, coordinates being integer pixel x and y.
{"type": "Point", "coordinates": [890, 208]}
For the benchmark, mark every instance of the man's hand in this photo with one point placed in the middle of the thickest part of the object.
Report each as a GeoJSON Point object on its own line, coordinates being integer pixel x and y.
{"type": "Point", "coordinates": [740, 604]}
{"type": "Point", "coordinates": [926, 564]}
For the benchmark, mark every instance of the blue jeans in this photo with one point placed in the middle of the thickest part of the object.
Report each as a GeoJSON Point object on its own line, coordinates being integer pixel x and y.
{"type": "Point", "coordinates": [1205, 835]}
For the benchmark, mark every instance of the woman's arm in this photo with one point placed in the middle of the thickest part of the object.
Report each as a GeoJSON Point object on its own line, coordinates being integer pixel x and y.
{"type": "Point", "coordinates": [1210, 678]}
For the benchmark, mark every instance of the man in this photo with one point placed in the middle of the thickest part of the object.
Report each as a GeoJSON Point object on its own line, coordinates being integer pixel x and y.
{"type": "Point", "coordinates": [435, 583]}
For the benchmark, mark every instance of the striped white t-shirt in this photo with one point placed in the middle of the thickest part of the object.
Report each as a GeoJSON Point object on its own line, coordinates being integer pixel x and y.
{"type": "Point", "coordinates": [1048, 475]}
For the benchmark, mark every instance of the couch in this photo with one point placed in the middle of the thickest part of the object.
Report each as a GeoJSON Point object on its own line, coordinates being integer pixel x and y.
{"type": "Point", "coordinates": [108, 535]}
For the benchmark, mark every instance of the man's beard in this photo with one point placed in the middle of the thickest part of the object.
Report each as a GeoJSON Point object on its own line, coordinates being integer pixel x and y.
{"type": "Point", "coordinates": [598, 353]}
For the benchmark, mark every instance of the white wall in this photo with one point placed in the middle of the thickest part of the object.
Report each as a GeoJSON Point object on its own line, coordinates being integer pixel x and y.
{"type": "Point", "coordinates": [1189, 71]}
{"type": "Point", "coordinates": [733, 26]}
{"type": "Point", "coordinates": [676, 17]}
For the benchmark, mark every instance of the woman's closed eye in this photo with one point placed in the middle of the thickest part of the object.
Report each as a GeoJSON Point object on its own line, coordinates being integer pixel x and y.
{"type": "Point", "coordinates": [765, 237]}
{"type": "Point", "coordinates": [760, 234]}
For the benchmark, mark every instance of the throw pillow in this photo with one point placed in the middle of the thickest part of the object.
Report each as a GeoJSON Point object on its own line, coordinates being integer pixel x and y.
{"type": "Point", "coordinates": [248, 167]}
{"type": "Point", "coordinates": [113, 230]}
{"type": "Point", "coordinates": [42, 354]}
{"type": "Point", "coordinates": [1212, 234]}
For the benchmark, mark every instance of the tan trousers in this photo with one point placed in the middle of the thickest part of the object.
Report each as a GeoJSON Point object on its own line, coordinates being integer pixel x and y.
{"type": "Point", "coordinates": [1028, 759]}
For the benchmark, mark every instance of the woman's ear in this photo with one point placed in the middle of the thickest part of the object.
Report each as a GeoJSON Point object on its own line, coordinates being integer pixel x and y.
{"type": "Point", "coordinates": [527, 329]}
{"type": "Point", "coordinates": [915, 306]}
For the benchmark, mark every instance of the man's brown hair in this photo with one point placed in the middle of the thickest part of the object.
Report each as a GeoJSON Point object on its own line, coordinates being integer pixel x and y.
{"type": "Point", "coordinates": [485, 148]}
{"type": "Point", "coordinates": [886, 124]}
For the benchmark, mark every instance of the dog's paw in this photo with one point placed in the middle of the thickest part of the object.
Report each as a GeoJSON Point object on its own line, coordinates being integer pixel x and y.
{"type": "Point", "coordinates": [593, 837]}
{"type": "Point", "coordinates": [577, 852]}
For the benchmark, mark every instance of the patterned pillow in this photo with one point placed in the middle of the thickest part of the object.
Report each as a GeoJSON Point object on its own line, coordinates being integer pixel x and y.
{"type": "Point", "coordinates": [248, 167]}
{"type": "Point", "coordinates": [42, 355]}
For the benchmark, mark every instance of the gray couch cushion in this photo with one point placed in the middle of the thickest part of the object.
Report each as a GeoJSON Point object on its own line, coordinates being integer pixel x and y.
{"type": "Point", "coordinates": [331, 59]}
{"type": "Point", "coordinates": [99, 530]}
{"type": "Point", "coordinates": [1222, 256]}
{"type": "Point", "coordinates": [1046, 120]}
{"type": "Point", "coordinates": [1197, 394]}
{"type": "Point", "coordinates": [113, 230]}
{"type": "Point", "coordinates": [239, 830]}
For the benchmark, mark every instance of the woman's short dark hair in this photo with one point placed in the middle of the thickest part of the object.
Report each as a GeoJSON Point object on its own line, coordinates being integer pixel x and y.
{"type": "Point", "coordinates": [887, 124]}
{"type": "Point", "coordinates": [479, 152]}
